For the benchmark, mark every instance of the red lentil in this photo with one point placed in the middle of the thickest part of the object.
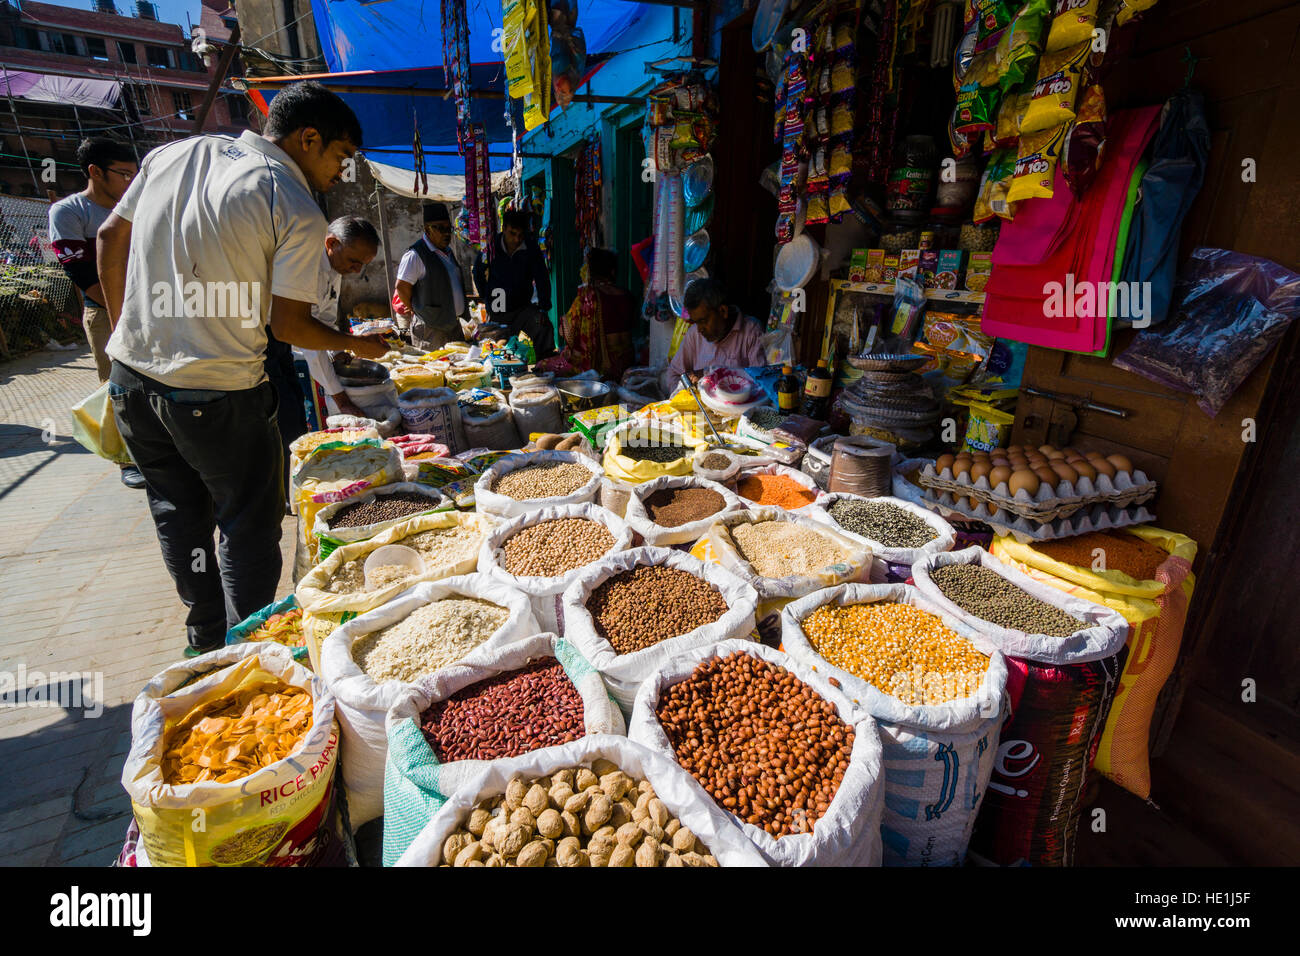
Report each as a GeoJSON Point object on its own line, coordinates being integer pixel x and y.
{"type": "Point", "coordinates": [780, 491]}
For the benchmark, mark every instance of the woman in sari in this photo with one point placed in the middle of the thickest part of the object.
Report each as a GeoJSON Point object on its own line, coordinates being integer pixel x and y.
{"type": "Point", "coordinates": [597, 329]}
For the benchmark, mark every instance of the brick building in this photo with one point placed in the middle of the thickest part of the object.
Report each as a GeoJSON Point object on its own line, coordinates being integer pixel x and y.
{"type": "Point", "coordinates": [69, 72]}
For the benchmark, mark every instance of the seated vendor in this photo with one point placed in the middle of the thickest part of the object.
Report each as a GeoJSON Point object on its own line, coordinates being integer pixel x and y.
{"type": "Point", "coordinates": [597, 329]}
{"type": "Point", "coordinates": [720, 336]}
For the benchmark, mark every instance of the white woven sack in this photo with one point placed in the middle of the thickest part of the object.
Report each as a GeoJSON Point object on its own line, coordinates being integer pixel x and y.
{"type": "Point", "coordinates": [680, 794]}
{"type": "Point", "coordinates": [362, 704]}
{"type": "Point", "coordinates": [944, 540]}
{"type": "Point", "coordinates": [794, 474]}
{"type": "Point", "coordinates": [937, 758]}
{"type": "Point", "coordinates": [849, 833]}
{"type": "Point", "coordinates": [546, 593]}
{"type": "Point", "coordinates": [487, 501]}
{"type": "Point", "coordinates": [624, 673]}
{"type": "Point", "coordinates": [657, 536]}
{"type": "Point", "coordinates": [321, 527]}
{"type": "Point", "coordinates": [416, 784]}
{"type": "Point", "coordinates": [792, 585]}
{"type": "Point", "coordinates": [1106, 633]}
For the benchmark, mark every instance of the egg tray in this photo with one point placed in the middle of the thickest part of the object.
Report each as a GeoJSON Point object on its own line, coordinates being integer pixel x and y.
{"type": "Point", "coordinates": [1098, 517]}
{"type": "Point", "coordinates": [1050, 502]}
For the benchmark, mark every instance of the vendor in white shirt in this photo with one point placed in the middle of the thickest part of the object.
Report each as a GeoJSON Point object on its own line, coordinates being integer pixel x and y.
{"type": "Point", "coordinates": [429, 285]}
{"type": "Point", "coordinates": [350, 244]}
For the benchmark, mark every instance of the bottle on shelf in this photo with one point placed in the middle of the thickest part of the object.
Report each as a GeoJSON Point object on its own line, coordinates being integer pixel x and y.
{"type": "Point", "coordinates": [787, 391]}
{"type": "Point", "coordinates": [817, 392]}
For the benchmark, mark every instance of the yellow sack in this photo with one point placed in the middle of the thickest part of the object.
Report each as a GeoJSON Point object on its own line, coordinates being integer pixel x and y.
{"type": "Point", "coordinates": [276, 816]}
{"type": "Point", "coordinates": [621, 467]}
{"type": "Point", "coordinates": [417, 376]}
{"type": "Point", "coordinates": [1156, 611]}
{"type": "Point", "coordinates": [304, 445]}
{"type": "Point", "coordinates": [95, 428]}
{"type": "Point", "coordinates": [335, 472]}
{"type": "Point", "coordinates": [323, 611]}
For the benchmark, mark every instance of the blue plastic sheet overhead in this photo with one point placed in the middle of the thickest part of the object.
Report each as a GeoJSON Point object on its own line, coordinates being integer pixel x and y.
{"type": "Point", "coordinates": [399, 34]}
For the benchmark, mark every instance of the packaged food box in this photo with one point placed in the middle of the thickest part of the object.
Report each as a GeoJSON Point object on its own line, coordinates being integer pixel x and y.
{"type": "Point", "coordinates": [978, 271]}
{"type": "Point", "coordinates": [875, 265]}
{"type": "Point", "coordinates": [890, 269]}
{"type": "Point", "coordinates": [858, 266]}
{"type": "Point", "coordinates": [909, 263]}
{"type": "Point", "coordinates": [952, 263]}
{"type": "Point", "coordinates": [927, 268]}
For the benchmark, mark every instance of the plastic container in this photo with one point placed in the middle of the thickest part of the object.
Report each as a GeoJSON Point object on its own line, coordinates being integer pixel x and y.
{"type": "Point", "coordinates": [391, 555]}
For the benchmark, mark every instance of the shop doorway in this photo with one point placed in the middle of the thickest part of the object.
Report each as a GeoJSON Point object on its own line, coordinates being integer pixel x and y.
{"type": "Point", "coordinates": [566, 256]}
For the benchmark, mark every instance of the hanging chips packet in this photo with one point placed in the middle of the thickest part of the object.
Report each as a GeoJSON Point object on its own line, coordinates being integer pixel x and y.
{"type": "Point", "coordinates": [1072, 23]}
{"type": "Point", "coordinates": [995, 186]}
{"type": "Point", "coordinates": [1036, 162]}
{"type": "Point", "coordinates": [1020, 43]}
{"type": "Point", "coordinates": [1086, 142]}
{"type": "Point", "coordinates": [1011, 114]}
{"type": "Point", "coordinates": [1060, 75]}
{"type": "Point", "coordinates": [1128, 9]}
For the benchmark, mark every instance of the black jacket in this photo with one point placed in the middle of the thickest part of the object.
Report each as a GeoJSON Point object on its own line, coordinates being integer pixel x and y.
{"type": "Point", "coordinates": [518, 275]}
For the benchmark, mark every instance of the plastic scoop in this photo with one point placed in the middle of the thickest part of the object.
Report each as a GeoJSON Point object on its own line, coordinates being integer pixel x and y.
{"type": "Point", "coordinates": [392, 555]}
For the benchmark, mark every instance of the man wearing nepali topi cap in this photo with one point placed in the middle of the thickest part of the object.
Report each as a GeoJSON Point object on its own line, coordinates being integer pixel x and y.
{"type": "Point", "coordinates": [429, 286]}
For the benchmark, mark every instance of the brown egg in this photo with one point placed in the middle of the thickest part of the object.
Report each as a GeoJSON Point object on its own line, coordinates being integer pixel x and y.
{"type": "Point", "coordinates": [1046, 474]}
{"type": "Point", "coordinates": [960, 467]}
{"type": "Point", "coordinates": [999, 475]}
{"type": "Point", "coordinates": [1071, 459]}
{"type": "Point", "coordinates": [1056, 456]}
{"type": "Point", "coordinates": [1121, 463]}
{"type": "Point", "coordinates": [1064, 471]}
{"type": "Point", "coordinates": [981, 455]}
{"type": "Point", "coordinates": [980, 470]}
{"type": "Point", "coordinates": [944, 461]}
{"type": "Point", "coordinates": [1071, 453]}
{"type": "Point", "coordinates": [1036, 459]}
{"type": "Point", "coordinates": [1023, 480]}
{"type": "Point", "coordinates": [1011, 448]}
{"type": "Point", "coordinates": [1045, 449]}
{"type": "Point", "coordinates": [1084, 469]}
{"type": "Point", "coordinates": [1103, 466]}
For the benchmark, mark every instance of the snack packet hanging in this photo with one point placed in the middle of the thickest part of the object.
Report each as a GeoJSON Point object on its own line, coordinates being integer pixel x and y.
{"type": "Point", "coordinates": [1072, 23]}
{"type": "Point", "coordinates": [1086, 142]}
{"type": "Point", "coordinates": [1128, 9]}
{"type": "Point", "coordinates": [994, 187]}
{"type": "Point", "coordinates": [1036, 164]}
{"type": "Point", "coordinates": [992, 16]}
{"type": "Point", "coordinates": [976, 110]}
{"type": "Point", "coordinates": [964, 55]}
{"type": "Point", "coordinates": [1060, 75]}
{"type": "Point", "coordinates": [1019, 44]}
{"type": "Point", "coordinates": [1010, 115]}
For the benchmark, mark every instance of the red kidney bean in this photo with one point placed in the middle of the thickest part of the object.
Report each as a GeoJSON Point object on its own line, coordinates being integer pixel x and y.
{"type": "Point", "coordinates": [505, 716]}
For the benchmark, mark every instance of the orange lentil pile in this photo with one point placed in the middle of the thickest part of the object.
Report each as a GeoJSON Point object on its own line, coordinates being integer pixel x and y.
{"type": "Point", "coordinates": [775, 490]}
{"type": "Point", "coordinates": [1128, 553]}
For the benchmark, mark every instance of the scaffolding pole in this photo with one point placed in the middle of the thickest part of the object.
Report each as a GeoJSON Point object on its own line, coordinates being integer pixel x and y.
{"type": "Point", "coordinates": [36, 184]}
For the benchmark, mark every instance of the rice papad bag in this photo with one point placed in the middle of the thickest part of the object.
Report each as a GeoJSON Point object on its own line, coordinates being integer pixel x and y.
{"type": "Point", "coordinates": [848, 834]}
{"type": "Point", "coordinates": [416, 783]}
{"type": "Point", "coordinates": [283, 619]}
{"type": "Point", "coordinates": [937, 758]}
{"type": "Point", "coordinates": [363, 703]}
{"type": "Point", "coordinates": [337, 471]}
{"type": "Point", "coordinates": [304, 445]}
{"type": "Point", "coordinates": [277, 815]}
{"type": "Point", "coordinates": [1061, 691]}
{"type": "Point", "coordinates": [324, 610]}
{"type": "Point", "coordinates": [328, 538]}
{"type": "Point", "coordinates": [1072, 23]}
{"type": "Point", "coordinates": [1036, 161]}
{"type": "Point", "coordinates": [684, 799]}
{"type": "Point", "coordinates": [546, 593]}
{"type": "Point", "coordinates": [1056, 90]}
{"type": "Point", "coordinates": [1156, 611]}
{"type": "Point", "coordinates": [624, 673]}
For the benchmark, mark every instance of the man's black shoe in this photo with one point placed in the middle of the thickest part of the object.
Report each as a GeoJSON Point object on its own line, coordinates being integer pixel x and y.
{"type": "Point", "coordinates": [131, 477]}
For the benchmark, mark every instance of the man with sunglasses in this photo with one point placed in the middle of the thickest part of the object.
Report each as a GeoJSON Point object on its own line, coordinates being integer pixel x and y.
{"type": "Point", "coordinates": [109, 166]}
{"type": "Point", "coordinates": [429, 286]}
{"type": "Point", "coordinates": [720, 335]}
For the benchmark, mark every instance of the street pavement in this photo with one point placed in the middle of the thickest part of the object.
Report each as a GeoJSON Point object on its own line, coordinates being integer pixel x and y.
{"type": "Point", "coordinates": [84, 592]}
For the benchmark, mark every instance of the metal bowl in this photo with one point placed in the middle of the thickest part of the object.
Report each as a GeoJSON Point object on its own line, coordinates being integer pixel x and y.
{"type": "Point", "coordinates": [580, 394]}
{"type": "Point", "coordinates": [358, 373]}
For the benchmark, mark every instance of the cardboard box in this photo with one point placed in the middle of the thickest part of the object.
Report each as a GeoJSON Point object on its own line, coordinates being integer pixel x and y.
{"type": "Point", "coordinates": [890, 269]}
{"type": "Point", "coordinates": [875, 265]}
{"type": "Point", "coordinates": [909, 263]}
{"type": "Point", "coordinates": [952, 265]}
{"type": "Point", "coordinates": [927, 268]}
{"type": "Point", "coordinates": [978, 271]}
{"type": "Point", "coordinates": [858, 266]}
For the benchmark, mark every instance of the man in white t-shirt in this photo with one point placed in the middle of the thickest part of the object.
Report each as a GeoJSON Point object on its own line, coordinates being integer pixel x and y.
{"type": "Point", "coordinates": [216, 239]}
{"type": "Point", "coordinates": [429, 286]}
